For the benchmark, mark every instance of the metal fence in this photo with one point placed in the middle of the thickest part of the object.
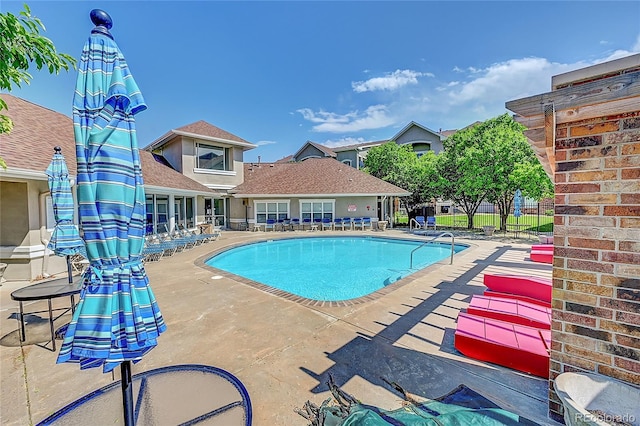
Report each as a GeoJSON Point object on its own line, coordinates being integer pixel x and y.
{"type": "Point", "coordinates": [536, 218]}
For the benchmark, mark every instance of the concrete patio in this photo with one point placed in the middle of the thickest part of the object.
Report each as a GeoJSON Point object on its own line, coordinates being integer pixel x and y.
{"type": "Point", "coordinates": [284, 350]}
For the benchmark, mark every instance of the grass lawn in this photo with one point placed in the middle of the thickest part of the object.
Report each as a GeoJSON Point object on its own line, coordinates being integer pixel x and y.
{"type": "Point", "coordinates": [484, 219]}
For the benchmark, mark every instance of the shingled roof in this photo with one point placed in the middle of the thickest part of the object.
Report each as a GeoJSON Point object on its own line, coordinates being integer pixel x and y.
{"type": "Point", "coordinates": [37, 130]}
{"type": "Point", "coordinates": [314, 176]}
{"type": "Point", "coordinates": [203, 130]}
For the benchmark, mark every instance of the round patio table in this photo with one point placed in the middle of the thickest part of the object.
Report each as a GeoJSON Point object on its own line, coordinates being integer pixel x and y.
{"type": "Point", "coordinates": [47, 291]}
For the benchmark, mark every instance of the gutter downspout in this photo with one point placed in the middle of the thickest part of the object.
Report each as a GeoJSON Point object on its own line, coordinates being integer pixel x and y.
{"type": "Point", "coordinates": [44, 235]}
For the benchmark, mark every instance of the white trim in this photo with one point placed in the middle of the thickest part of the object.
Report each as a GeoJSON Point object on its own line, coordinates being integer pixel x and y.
{"type": "Point", "coordinates": [308, 196]}
{"type": "Point", "coordinates": [212, 139]}
{"type": "Point", "coordinates": [14, 173]}
{"type": "Point", "coordinates": [215, 172]}
{"type": "Point", "coordinates": [163, 190]}
{"type": "Point", "coordinates": [22, 252]}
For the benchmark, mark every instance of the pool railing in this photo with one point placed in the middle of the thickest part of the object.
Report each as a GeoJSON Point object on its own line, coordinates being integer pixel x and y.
{"type": "Point", "coordinates": [433, 240]}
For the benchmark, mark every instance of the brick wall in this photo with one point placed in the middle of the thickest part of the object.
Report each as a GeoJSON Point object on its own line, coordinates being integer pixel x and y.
{"type": "Point", "coordinates": [596, 270]}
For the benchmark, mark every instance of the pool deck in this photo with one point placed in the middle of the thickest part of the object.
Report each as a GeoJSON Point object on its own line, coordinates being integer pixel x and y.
{"type": "Point", "coordinates": [283, 348]}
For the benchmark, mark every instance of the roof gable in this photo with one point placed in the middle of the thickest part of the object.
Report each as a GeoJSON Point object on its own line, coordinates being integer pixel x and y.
{"type": "Point", "coordinates": [311, 150]}
{"type": "Point", "coordinates": [314, 176]}
{"type": "Point", "coordinates": [201, 130]}
{"type": "Point", "coordinates": [408, 127]}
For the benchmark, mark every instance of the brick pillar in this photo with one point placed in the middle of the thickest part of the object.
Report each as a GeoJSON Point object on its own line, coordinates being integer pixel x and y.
{"type": "Point", "coordinates": [596, 269]}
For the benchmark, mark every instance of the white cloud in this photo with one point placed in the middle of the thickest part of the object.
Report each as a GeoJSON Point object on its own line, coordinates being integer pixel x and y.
{"type": "Point", "coordinates": [262, 143]}
{"type": "Point", "coordinates": [390, 81]}
{"type": "Point", "coordinates": [472, 94]}
{"type": "Point", "coordinates": [374, 117]}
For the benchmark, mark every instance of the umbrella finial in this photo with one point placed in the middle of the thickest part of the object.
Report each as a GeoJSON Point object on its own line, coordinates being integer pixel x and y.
{"type": "Point", "coordinates": [57, 150]}
{"type": "Point", "coordinates": [102, 21]}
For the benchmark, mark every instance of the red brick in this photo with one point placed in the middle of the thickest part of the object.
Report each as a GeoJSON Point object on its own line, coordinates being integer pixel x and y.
{"type": "Point", "coordinates": [633, 198]}
{"type": "Point", "coordinates": [590, 266]}
{"type": "Point", "coordinates": [604, 151]}
{"type": "Point", "coordinates": [627, 364]}
{"type": "Point", "coordinates": [575, 188]}
{"type": "Point", "coordinates": [585, 277]}
{"type": "Point", "coordinates": [597, 221]}
{"type": "Point", "coordinates": [618, 257]}
{"type": "Point", "coordinates": [628, 317]}
{"type": "Point", "coordinates": [621, 210]}
{"type": "Point", "coordinates": [628, 341]}
{"type": "Point", "coordinates": [631, 173]}
{"type": "Point", "coordinates": [592, 243]}
{"type": "Point", "coordinates": [568, 317]}
{"type": "Point", "coordinates": [576, 253]}
{"type": "Point", "coordinates": [630, 222]}
{"type": "Point", "coordinates": [629, 246]}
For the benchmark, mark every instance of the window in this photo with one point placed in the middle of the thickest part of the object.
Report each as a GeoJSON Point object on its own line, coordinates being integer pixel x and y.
{"type": "Point", "coordinates": [347, 162]}
{"type": "Point", "coordinates": [275, 210]}
{"type": "Point", "coordinates": [317, 209]}
{"type": "Point", "coordinates": [211, 157]}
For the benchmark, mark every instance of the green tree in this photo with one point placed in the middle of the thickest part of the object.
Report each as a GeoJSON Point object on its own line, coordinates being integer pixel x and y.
{"type": "Point", "coordinates": [462, 170]}
{"type": "Point", "coordinates": [22, 46]}
{"type": "Point", "coordinates": [399, 165]}
{"type": "Point", "coordinates": [513, 165]}
{"type": "Point", "coordinates": [489, 162]}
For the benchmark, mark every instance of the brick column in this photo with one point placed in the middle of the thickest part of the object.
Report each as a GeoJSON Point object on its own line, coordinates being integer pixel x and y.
{"type": "Point", "coordinates": [596, 270]}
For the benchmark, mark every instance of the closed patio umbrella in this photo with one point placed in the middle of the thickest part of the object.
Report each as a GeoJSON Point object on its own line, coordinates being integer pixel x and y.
{"type": "Point", "coordinates": [117, 320]}
{"type": "Point", "coordinates": [517, 205]}
{"type": "Point", "coordinates": [65, 239]}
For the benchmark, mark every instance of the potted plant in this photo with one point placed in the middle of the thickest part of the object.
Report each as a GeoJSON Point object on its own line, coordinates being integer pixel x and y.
{"type": "Point", "coordinates": [488, 230]}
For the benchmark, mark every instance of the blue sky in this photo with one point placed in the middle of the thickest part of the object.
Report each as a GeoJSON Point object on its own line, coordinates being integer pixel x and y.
{"type": "Point", "coordinates": [280, 73]}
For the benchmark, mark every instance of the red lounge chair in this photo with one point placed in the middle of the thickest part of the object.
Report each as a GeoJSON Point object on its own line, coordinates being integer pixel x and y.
{"type": "Point", "coordinates": [541, 256]}
{"type": "Point", "coordinates": [510, 345]}
{"type": "Point", "coordinates": [490, 293]}
{"type": "Point", "coordinates": [534, 287]}
{"type": "Point", "coordinates": [511, 310]}
{"type": "Point", "coordinates": [539, 247]}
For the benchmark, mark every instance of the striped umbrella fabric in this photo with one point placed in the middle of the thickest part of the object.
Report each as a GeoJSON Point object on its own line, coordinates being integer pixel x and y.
{"type": "Point", "coordinates": [118, 319]}
{"type": "Point", "coordinates": [65, 239]}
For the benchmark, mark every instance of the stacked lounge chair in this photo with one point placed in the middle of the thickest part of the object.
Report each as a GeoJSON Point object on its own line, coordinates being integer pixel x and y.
{"type": "Point", "coordinates": [510, 325]}
{"type": "Point", "coordinates": [542, 253]}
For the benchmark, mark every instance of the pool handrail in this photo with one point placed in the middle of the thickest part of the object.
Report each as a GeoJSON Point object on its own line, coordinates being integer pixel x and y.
{"type": "Point", "coordinates": [431, 241]}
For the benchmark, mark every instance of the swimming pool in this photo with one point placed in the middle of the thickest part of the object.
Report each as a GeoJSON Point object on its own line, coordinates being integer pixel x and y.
{"type": "Point", "coordinates": [330, 268]}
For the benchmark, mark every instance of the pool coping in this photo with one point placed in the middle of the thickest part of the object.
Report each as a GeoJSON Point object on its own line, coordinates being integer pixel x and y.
{"type": "Point", "coordinates": [200, 262]}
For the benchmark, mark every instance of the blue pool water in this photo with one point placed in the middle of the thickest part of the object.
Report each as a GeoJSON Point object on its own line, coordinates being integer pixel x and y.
{"type": "Point", "coordinates": [330, 268]}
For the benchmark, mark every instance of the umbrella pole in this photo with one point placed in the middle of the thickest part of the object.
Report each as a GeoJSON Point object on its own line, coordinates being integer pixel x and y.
{"type": "Point", "coordinates": [127, 393]}
{"type": "Point", "coordinates": [69, 273]}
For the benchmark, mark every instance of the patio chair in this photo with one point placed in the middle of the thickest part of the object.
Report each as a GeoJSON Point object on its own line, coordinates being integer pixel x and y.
{"type": "Point", "coordinates": [430, 223]}
{"type": "Point", "coordinates": [420, 221]}
{"type": "Point", "coordinates": [366, 223]}
{"type": "Point", "coordinates": [357, 223]}
{"type": "Point", "coordinates": [347, 223]}
{"type": "Point", "coordinates": [294, 223]}
{"type": "Point", "coordinates": [306, 222]}
{"type": "Point", "coordinates": [337, 223]}
{"type": "Point", "coordinates": [271, 224]}
{"type": "Point", "coordinates": [327, 224]}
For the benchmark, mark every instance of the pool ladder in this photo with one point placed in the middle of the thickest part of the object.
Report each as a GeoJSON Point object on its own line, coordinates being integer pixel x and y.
{"type": "Point", "coordinates": [431, 241]}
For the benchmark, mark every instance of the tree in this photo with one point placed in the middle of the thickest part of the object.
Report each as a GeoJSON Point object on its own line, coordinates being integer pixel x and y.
{"type": "Point", "coordinates": [513, 165]}
{"type": "Point", "coordinates": [462, 172]}
{"type": "Point", "coordinates": [490, 161]}
{"type": "Point", "coordinates": [399, 165]}
{"type": "Point", "coordinates": [22, 46]}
